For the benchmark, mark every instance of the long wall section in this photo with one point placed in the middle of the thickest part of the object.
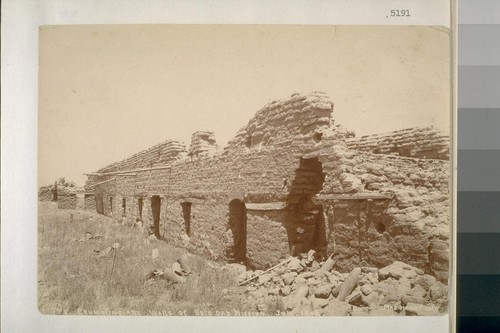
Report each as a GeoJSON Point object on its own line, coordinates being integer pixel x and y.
{"type": "Point", "coordinates": [262, 198]}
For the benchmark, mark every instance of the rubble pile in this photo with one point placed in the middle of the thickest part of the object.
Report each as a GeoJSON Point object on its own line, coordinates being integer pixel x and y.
{"type": "Point", "coordinates": [308, 287]}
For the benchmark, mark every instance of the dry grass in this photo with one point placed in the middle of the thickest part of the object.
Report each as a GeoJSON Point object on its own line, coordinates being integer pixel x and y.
{"type": "Point", "coordinates": [75, 280]}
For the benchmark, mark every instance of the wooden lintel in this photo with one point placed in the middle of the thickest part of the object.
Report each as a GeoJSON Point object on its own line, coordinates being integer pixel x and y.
{"type": "Point", "coordinates": [103, 182]}
{"type": "Point", "coordinates": [265, 206]}
{"type": "Point", "coordinates": [322, 198]}
{"type": "Point", "coordinates": [127, 171]}
{"type": "Point", "coordinates": [192, 200]}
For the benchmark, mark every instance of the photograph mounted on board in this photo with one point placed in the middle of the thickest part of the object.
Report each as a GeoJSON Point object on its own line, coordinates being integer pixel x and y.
{"type": "Point", "coordinates": [244, 170]}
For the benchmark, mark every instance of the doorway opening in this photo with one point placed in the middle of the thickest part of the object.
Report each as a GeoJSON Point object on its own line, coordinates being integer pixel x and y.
{"type": "Point", "coordinates": [238, 226]}
{"type": "Point", "coordinates": [99, 204]}
{"type": "Point", "coordinates": [186, 213]}
{"type": "Point", "coordinates": [305, 223]}
{"type": "Point", "coordinates": [140, 204]}
{"type": "Point", "coordinates": [156, 208]}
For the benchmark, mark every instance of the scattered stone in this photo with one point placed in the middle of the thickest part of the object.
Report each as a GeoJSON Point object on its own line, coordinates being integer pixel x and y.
{"type": "Point", "coordinates": [169, 274]}
{"type": "Point", "coordinates": [415, 295]}
{"type": "Point", "coordinates": [323, 291]}
{"type": "Point", "coordinates": [242, 277]}
{"type": "Point", "coordinates": [294, 265]}
{"type": "Point", "coordinates": [263, 279]}
{"type": "Point", "coordinates": [311, 254]}
{"type": "Point", "coordinates": [176, 267]}
{"type": "Point", "coordinates": [312, 282]}
{"type": "Point", "coordinates": [355, 298]}
{"type": "Point", "coordinates": [288, 278]}
{"type": "Point", "coordinates": [436, 292]}
{"type": "Point", "coordinates": [337, 308]}
{"type": "Point", "coordinates": [425, 281]}
{"type": "Point", "coordinates": [394, 270]}
{"type": "Point", "coordinates": [298, 282]}
{"type": "Point", "coordinates": [286, 290]}
{"type": "Point", "coordinates": [302, 291]}
{"type": "Point", "coordinates": [249, 289]}
{"type": "Point", "coordinates": [389, 289]}
{"type": "Point", "coordinates": [306, 275]}
{"type": "Point", "coordinates": [274, 291]}
{"type": "Point", "coordinates": [318, 303]}
{"type": "Point", "coordinates": [366, 289]}
{"type": "Point", "coordinates": [349, 284]}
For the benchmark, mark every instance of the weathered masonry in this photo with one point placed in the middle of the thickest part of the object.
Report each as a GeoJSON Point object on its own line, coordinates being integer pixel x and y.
{"type": "Point", "coordinates": [289, 181]}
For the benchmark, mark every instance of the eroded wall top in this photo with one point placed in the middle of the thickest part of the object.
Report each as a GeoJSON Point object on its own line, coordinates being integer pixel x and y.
{"type": "Point", "coordinates": [423, 142]}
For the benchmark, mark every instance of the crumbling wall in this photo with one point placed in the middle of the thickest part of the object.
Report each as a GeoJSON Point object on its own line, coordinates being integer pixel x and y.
{"type": "Point", "coordinates": [80, 201]}
{"type": "Point", "coordinates": [160, 154]}
{"type": "Point", "coordinates": [202, 145]}
{"type": "Point", "coordinates": [90, 202]}
{"type": "Point", "coordinates": [288, 153]}
{"type": "Point", "coordinates": [45, 193]}
{"type": "Point", "coordinates": [66, 201]}
{"type": "Point", "coordinates": [399, 229]}
{"type": "Point", "coordinates": [267, 237]}
{"type": "Point", "coordinates": [422, 142]}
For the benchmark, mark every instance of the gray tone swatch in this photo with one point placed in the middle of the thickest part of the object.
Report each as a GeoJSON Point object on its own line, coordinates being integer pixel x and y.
{"type": "Point", "coordinates": [479, 44]}
{"type": "Point", "coordinates": [478, 128]}
{"type": "Point", "coordinates": [478, 170]}
{"type": "Point", "coordinates": [478, 212]}
{"type": "Point", "coordinates": [478, 295]}
{"type": "Point", "coordinates": [478, 86]}
{"type": "Point", "coordinates": [478, 12]}
{"type": "Point", "coordinates": [477, 253]}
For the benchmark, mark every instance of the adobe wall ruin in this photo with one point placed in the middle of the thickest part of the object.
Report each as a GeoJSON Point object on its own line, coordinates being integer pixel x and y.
{"type": "Point", "coordinates": [290, 180]}
{"type": "Point", "coordinates": [66, 201]}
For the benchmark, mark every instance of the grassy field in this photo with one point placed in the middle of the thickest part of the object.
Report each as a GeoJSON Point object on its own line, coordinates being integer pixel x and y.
{"type": "Point", "coordinates": [76, 275]}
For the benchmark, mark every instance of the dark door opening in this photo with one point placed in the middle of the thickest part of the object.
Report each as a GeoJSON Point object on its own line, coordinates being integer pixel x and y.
{"type": "Point", "coordinates": [124, 206]}
{"type": "Point", "coordinates": [156, 208]}
{"type": "Point", "coordinates": [238, 226]}
{"type": "Point", "coordinates": [140, 203]}
{"type": "Point", "coordinates": [305, 223]}
{"type": "Point", "coordinates": [186, 212]}
{"type": "Point", "coordinates": [99, 204]}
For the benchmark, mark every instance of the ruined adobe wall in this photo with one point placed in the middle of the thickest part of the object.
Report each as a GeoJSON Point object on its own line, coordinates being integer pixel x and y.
{"type": "Point", "coordinates": [89, 202]}
{"type": "Point", "coordinates": [423, 142]}
{"type": "Point", "coordinates": [413, 227]}
{"type": "Point", "coordinates": [45, 193]}
{"type": "Point", "coordinates": [259, 165]}
{"type": "Point", "coordinates": [160, 154]}
{"type": "Point", "coordinates": [203, 144]}
{"type": "Point", "coordinates": [276, 158]}
{"type": "Point", "coordinates": [66, 201]}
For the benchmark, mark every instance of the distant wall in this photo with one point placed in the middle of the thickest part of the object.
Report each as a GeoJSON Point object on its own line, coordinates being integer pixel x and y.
{"type": "Point", "coordinates": [89, 202]}
{"type": "Point", "coordinates": [162, 153]}
{"type": "Point", "coordinates": [66, 201]}
{"type": "Point", "coordinates": [45, 193]}
{"type": "Point", "coordinates": [425, 142]}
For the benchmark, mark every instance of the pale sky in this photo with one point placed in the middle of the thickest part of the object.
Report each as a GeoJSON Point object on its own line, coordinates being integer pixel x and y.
{"type": "Point", "coordinates": [107, 92]}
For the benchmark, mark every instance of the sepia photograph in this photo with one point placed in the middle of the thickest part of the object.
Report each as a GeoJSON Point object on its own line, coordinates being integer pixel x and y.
{"type": "Point", "coordinates": [244, 170]}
